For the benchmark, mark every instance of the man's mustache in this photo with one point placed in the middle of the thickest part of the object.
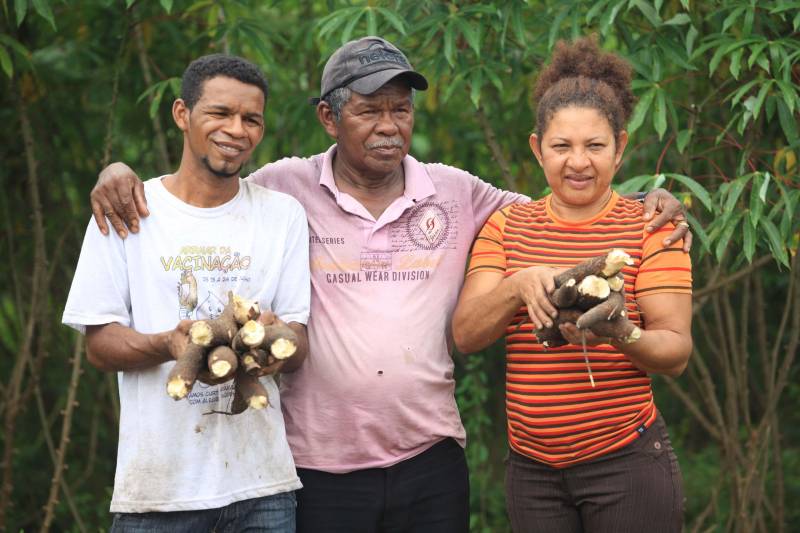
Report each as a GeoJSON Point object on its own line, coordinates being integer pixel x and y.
{"type": "Point", "coordinates": [386, 143]}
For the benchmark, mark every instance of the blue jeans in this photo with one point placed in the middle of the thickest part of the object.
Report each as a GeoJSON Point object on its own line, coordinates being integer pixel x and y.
{"type": "Point", "coordinates": [270, 514]}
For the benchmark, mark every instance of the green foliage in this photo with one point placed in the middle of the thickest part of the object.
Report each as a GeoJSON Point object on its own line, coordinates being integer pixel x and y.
{"type": "Point", "coordinates": [716, 123]}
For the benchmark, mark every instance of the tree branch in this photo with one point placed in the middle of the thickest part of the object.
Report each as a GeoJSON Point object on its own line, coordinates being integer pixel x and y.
{"type": "Point", "coordinates": [497, 151]}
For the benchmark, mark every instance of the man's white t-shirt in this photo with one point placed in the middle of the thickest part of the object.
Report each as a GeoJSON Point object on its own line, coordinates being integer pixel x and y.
{"type": "Point", "coordinates": [178, 456]}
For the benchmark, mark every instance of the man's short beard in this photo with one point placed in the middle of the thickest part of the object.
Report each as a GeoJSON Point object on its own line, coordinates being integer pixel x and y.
{"type": "Point", "coordinates": [221, 173]}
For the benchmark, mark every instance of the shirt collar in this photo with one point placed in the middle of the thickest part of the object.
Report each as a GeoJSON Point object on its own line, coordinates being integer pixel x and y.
{"type": "Point", "coordinates": [418, 184]}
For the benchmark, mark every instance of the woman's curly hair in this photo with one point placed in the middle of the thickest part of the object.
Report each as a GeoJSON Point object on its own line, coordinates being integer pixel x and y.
{"type": "Point", "coordinates": [580, 74]}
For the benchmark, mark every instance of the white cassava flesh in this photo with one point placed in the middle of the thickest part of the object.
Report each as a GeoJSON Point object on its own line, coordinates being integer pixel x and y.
{"type": "Point", "coordinates": [594, 286]}
{"type": "Point", "coordinates": [615, 261]}
{"type": "Point", "coordinates": [200, 333]}
{"type": "Point", "coordinates": [244, 309]}
{"type": "Point", "coordinates": [283, 348]}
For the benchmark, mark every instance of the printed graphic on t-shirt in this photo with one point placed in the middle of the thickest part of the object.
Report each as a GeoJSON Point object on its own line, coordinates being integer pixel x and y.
{"type": "Point", "coordinates": [426, 226]}
{"type": "Point", "coordinates": [204, 274]}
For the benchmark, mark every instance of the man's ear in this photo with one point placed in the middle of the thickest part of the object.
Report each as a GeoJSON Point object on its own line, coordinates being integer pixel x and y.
{"type": "Point", "coordinates": [536, 147]}
{"type": "Point", "coordinates": [622, 142]}
{"type": "Point", "coordinates": [325, 116]}
{"type": "Point", "coordinates": [180, 114]}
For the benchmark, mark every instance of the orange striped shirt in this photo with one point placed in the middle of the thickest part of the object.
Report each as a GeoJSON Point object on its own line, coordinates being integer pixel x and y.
{"type": "Point", "coordinates": [554, 414]}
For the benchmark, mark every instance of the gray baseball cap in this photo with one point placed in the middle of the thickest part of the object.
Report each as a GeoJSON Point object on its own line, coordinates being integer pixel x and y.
{"type": "Point", "coordinates": [366, 65]}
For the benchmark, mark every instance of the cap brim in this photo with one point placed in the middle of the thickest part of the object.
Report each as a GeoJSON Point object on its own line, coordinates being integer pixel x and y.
{"type": "Point", "coordinates": [371, 83]}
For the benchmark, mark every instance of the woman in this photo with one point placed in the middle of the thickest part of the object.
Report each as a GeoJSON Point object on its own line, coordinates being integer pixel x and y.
{"type": "Point", "coordinates": [584, 456]}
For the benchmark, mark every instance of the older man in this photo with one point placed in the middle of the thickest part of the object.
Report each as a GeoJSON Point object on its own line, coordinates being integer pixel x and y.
{"type": "Point", "coordinates": [371, 417]}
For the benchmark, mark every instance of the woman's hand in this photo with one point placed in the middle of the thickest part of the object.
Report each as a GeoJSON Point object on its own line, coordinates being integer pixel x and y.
{"type": "Point", "coordinates": [533, 286]}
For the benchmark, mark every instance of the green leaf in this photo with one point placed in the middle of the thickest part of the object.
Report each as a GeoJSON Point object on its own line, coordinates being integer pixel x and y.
{"type": "Point", "coordinates": [700, 232]}
{"type": "Point", "coordinates": [610, 15]}
{"type": "Point", "coordinates": [471, 33]}
{"type": "Point", "coordinates": [736, 63]}
{"type": "Point", "coordinates": [679, 20]}
{"type": "Point", "coordinates": [731, 18]}
{"type": "Point", "coordinates": [43, 8]}
{"type": "Point", "coordinates": [760, 98]}
{"type": "Point", "coordinates": [775, 244]}
{"type": "Point", "coordinates": [789, 94]}
{"type": "Point", "coordinates": [674, 53]}
{"type": "Point", "coordinates": [372, 22]}
{"type": "Point", "coordinates": [749, 16]}
{"type": "Point", "coordinates": [20, 9]}
{"type": "Point", "coordinates": [684, 136]}
{"type": "Point", "coordinates": [691, 37]}
{"type": "Point", "coordinates": [735, 191]}
{"type": "Point", "coordinates": [698, 191]}
{"type": "Point", "coordinates": [788, 122]}
{"type": "Point", "coordinates": [519, 30]}
{"type": "Point", "coordinates": [660, 114]}
{"type": "Point", "coordinates": [5, 62]}
{"type": "Point", "coordinates": [449, 44]}
{"type": "Point", "coordinates": [749, 239]}
{"type": "Point", "coordinates": [347, 31]}
{"type": "Point", "coordinates": [685, 4]}
{"type": "Point", "coordinates": [756, 203]}
{"type": "Point", "coordinates": [556, 26]}
{"type": "Point", "coordinates": [727, 233]}
{"type": "Point", "coordinates": [742, 91]}
{"type": "Point", "coordinates": [476, 83]}
{"type": "Point", "coordinates": [635, 184]}
{"type": "Point", "coordinates": [649, 12]}
{"type": "Point", "coordinates": [641, 110]}
{"type": "Point", "coordinates": [494, 78]}
{"type": "Point", "coordinates": [756, 51]}
{"type": "Point", "coordinates": [393, 19]}
{"type": "Point", "coordinates": [167, 5]}
{"type": "Point", "coordinates": [763, 62]}
{"type": "Point", "coordinates": [594, 10]}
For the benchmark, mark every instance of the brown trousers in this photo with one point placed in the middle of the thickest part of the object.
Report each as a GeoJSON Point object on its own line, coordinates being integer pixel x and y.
{"type": "Point", "coordinates": [635, 489]}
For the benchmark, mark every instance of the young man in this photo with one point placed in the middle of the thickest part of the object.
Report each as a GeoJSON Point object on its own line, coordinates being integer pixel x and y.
{"type": "Point", "coordinates": [180, 466]}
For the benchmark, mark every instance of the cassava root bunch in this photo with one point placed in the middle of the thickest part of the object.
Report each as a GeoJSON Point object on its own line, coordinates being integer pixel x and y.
{"type": "Point", "coordinates": [592, 296]}
{"type": "Point", "coordinates": [235, 345]}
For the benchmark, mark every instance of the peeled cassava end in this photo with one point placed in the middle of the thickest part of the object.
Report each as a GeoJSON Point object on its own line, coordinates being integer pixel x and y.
{"type": "Point", "coordinates": [251, 334]}
{"type": "Point", "coordinates": [222, 362]}
{"type": "Point", "coordinates": [616, 260]}
{"type": "Point", "coordinates": [283, 348]}
{"type": "Point", "coordinates": [184, 373]}
{"type": "Point", "coordinates": [244, 309]}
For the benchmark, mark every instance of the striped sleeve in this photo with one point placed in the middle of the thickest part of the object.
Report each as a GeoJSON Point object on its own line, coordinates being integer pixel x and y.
{"type": "Point", "coordinates": [488, 254]}
{"type": "Point", "coordinates": [663, 270]}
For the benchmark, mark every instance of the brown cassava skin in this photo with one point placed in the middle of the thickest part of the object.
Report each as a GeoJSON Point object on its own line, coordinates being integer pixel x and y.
{"type": "Point", "coordinates": [222, 354]}
{"type": "Point", "coordinates": [254, 360]}
{"type": "Point", "coordinates": [591, 267]}
{"type": "Point", "coordinates": [247, 390]}
{"type": "Point", "coordinates": [565, 296]}
{"type": "Point", "coordinates": [610, 309]}
{"type": "Point", "coordinates": [185, 371]}
{"type": "Point", "coordinates": [551, 337]}
{"type": "Point", "coordinates": [279, 331]}
{"type": "Point", "coordinates": [223, 328]}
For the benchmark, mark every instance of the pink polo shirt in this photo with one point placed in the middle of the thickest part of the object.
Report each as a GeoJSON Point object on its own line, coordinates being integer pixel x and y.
{"type": "Point", "coordinates": [377, 387]}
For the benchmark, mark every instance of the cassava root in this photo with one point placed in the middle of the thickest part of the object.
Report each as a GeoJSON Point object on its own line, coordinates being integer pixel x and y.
{"type": "Point", "coordinates": [234, 346]}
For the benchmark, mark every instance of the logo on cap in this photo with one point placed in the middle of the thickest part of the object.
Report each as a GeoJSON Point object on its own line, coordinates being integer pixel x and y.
{"type": "Point", "coordinates": [377, 52]}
